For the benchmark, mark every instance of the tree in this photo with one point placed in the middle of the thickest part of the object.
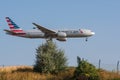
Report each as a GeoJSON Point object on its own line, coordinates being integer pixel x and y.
{"type": "Point", "coordinates": [49, 59]}
{"type": "Point", "coordinates": [85, 70]}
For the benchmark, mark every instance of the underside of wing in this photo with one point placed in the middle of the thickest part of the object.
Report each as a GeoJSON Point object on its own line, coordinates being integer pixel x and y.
{"type": "Point", "coordinates": [44, 30]}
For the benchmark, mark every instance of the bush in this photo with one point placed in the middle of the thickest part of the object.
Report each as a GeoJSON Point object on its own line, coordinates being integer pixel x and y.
{"type": "Point", "coordinates": [85, 71]}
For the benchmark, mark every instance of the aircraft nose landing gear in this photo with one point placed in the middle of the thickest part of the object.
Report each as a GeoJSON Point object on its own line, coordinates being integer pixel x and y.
{"type": "Point", "coordinates": [86, 39]}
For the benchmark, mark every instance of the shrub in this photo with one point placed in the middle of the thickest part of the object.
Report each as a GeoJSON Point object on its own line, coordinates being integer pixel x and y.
{"type": "Point", "coordinates": [85, 71]}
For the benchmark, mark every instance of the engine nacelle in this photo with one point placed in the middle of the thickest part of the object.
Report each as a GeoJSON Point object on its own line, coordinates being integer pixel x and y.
{"type": "Point", "coordinates": [61, 35]}
{"type": "Point", "coordinates": [61, 39]}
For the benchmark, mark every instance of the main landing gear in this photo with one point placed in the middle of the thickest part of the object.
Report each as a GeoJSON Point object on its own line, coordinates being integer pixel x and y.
{"type": "Point", "coordinates": [48, 39]}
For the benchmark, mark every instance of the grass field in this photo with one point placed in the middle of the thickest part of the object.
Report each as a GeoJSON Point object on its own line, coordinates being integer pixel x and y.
{"type": "Point", "coordinates": [26, 73]}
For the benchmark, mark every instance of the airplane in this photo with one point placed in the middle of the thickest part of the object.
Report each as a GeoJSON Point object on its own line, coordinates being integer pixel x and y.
{"type": "Point", "coordinates": [42, 32]}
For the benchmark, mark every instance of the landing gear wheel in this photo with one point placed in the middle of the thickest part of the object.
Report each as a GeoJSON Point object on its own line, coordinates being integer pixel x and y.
{"type": "Point", "coordinates": [86, 39]}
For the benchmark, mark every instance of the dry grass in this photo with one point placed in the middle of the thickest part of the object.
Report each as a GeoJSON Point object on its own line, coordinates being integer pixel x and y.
{"type": "Point", "coordinates": [26, 73]}
{"type": "Point", "coordinates": [22, 76]}
{"type": "Point", "coordinates": [21, 73]}
{"type": "Point", "coordinates": [107, 75]}
{"type": "Point", "coordinates": [9, 69]}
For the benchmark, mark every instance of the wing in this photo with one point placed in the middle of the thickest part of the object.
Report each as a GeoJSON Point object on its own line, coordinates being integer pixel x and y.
{"type": "Point", "coordinates": [44, 30]}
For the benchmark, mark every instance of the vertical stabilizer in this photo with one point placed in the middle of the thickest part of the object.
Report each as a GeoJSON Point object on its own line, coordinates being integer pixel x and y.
{"type": "Point", "coordinates": [13, 27]}
{"type": "Point", "coordinates": [12, 24]}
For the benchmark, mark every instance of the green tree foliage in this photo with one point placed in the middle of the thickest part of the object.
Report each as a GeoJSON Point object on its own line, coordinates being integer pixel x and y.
{"type": "Point", "coordinates": [49, 59]}
{"type": "Point", "coordinates": [85, 71]}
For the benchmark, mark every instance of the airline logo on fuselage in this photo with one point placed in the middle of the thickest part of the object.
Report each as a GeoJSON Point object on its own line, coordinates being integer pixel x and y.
{"type": "Point", "coordinates": [71, 32]}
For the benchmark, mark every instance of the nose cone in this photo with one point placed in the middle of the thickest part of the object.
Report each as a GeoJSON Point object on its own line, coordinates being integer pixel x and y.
{"type": "Point", "coordinates": [93, 33]}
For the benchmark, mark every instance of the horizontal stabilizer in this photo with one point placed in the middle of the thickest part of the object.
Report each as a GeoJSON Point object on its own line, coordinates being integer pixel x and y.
{"type": "Point", "coordinates": [8, 31]}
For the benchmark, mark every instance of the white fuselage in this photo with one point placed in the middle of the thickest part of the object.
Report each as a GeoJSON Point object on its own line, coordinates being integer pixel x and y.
{"type": "Point", "coordinates": [69, 33]}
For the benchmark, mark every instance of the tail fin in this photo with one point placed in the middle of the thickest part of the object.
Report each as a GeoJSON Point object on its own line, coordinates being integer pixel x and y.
{"type": "Point", "coordinates": [12, 24]}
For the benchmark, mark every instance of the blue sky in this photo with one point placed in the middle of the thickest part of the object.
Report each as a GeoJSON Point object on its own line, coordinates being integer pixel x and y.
{"type": "Point", "coordinates": [102, 17]}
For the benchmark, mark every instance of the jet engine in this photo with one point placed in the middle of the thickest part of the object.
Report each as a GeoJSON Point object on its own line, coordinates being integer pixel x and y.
{"type": "Point", "coordinates": [61, 36]}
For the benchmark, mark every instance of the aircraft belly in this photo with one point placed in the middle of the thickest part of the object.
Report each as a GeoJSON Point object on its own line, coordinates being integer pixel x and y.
{"type": "Point", "coordinates": [35, 35]}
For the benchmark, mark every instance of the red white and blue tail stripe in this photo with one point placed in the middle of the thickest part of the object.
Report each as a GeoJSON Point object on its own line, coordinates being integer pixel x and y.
{"type": "Point", "coordinates": [13, 27]}
{"type": "Point", "coordinates": [11, 24]}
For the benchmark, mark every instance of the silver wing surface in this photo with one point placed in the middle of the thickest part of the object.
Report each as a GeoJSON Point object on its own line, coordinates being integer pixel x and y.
{"type": "Point", "coordinates": [48, 32]}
